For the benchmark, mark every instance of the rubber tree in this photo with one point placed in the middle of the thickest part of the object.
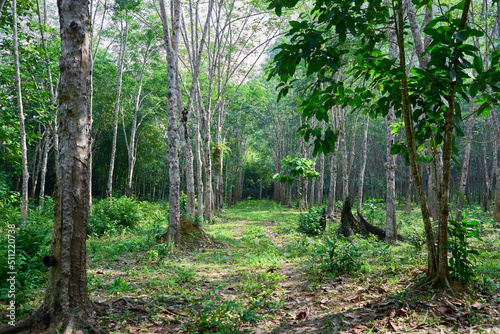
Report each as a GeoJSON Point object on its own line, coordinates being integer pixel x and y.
{"type": "Point", "coordinates": [66, 305]}
{"type": "Point", "coordinates": [171, 39]}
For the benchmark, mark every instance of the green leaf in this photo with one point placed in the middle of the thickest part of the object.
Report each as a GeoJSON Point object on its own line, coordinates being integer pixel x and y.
{"type": "Point", "coordinates": [478, 64]}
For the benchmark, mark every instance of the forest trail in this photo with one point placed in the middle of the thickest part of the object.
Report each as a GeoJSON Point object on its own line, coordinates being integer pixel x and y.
{"type": "Point", "coordinates": [257, 274]}
{"type": "Point", "coordinates": [384, 299]}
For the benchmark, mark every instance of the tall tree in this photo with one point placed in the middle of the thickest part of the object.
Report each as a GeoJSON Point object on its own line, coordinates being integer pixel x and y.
{"type": "Point", "coordinates": [20, 109]}
{"type": "Point", "coordinates": [171, 40]}
{"type": "Point", "coordinates": [121, 60]}
{"type": "Point", "coordinates": [66, 302]}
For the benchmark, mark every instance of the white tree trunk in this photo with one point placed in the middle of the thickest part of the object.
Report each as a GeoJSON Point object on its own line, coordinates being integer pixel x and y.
{"type": "Point", "coordinates": [171, 40]}
{"type": "Point", "coordinates": [465, 164]}
{"type": "Point", "coordinates": [363, 164]}
{"type": "Point", "coordinates": [121, 60]}
{"type": "Point", "coordinates": [20, 109]}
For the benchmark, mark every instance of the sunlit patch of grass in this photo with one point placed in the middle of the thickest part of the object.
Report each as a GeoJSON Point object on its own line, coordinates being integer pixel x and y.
{"type": "Point", "coordinates": [255, 284]}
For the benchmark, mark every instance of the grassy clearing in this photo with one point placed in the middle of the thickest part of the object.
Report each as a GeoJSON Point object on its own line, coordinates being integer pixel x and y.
{"type": "Point", "coordinates": [258, 274]}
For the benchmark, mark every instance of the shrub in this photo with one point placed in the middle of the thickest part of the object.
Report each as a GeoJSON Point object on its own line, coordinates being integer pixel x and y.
{"type": "Point", "coordinates": [223, 316]}
{"type": "Point", "coordinates": [310, 222]}
{"type": "Point", "coordinates": [32, 243]}
{"type": "Point", "coordinates": [337, 256]}
{"type": "Point", "coordinates": [117, 214]}
{"type": "Point", "coordinates": [461, 268]}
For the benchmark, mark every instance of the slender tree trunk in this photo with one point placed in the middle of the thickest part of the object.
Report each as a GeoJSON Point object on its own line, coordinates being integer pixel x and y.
{"type": "Point", "coordinates": [199, 162]}
{"type": "Point", "coordinates": [465, 164]}
{"type": "Point", "coordinates": [131, 143]}
{"type": "Point", "coordinates": [391, 232]}
{"type": "Point", "coordinates": [363, 164]}
{"type": "Point", "coordinates": [38, 164]}
{"type": "Point", "coordinates": [412, 152]}
{"type": "Point", "coordinates": [333, 182]}
{"type": "Point", "coordinates": [321, 179]}
{"type": "Point", "coordinates": [20, 109]}
{"type": "Point", "coordinates": [408, 207]}
{"type": "Point", "coordinates": [43, 173]}
{"type": "Point", "coordinates": [171, 40]}
{"type": "Point", "coordinates": [496, 128]}
{"type": "Point", "coordinates": [121, 60]}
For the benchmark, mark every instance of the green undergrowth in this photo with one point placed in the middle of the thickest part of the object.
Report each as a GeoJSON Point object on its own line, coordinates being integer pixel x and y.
{"type": "Point", "coordinates": [234, 280]}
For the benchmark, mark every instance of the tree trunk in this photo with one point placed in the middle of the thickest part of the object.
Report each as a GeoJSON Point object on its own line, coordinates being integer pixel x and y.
{"type": "Point", "coordinates": [199, 162]}
{"type": "Point", "coordinates": [363, 164]}
{"type": "Point", "coordinates": [121, 60]}
{"type": "Point", "coordinates": [43, 173]}
{"type": "Point", "coordinates": [171, 40]}
{"type": "Point", "coordinates": [131, 143]}
{"type": "Point", "coordinates": [390, 164]}
{"type": "Point", "coordinates": [465, 165]}
{"type": "Point", "coordinates": [496, 128]}
{"type": "Point", "coordinates": [66, 300]}
{"type": "Point", "coordinates": [20, 109]}
{"type": "Point", "coordinates": [333, 182]}
{"type": "Point", "coordinates": [408, 207]}
{"type": "Point", "coordinates": [412, 152]}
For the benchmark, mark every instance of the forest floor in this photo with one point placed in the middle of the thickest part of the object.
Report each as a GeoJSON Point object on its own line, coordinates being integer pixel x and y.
{"type": "Point", "coordinates": [255, 273]}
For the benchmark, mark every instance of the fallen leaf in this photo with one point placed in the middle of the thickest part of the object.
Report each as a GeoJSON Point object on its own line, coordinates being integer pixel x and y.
{"type": "Point", "coordinates": [357, 298]}
{"type": "Point", "coordinates": [301, 315]}
{"type": "Point", "coordinates": [394, 326]}
{"type": "Point", "coordinates": [357, 329]}
{"type": "Point", "coordinates": [402, 311]}
{"type": "Point", "coordinates": [477, 305]}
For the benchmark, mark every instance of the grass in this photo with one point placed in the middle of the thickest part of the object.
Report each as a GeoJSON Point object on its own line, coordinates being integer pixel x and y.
{"type": "Point", "coordinates": [259, 274]}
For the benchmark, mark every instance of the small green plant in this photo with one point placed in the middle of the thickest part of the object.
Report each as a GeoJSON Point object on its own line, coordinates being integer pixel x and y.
{"type": "Point", "coordinates": [312, 222]}
{"type": "Point", "coordinates": [152, 255]}
{"type": "Point", "coordinates": [119, 285]}
{"type": "Point", "coordinates": [459, 233]}
{"type": "Point", "coordinates": [337, 256]}
{"type": "Point", "coordinates": [223, 316]}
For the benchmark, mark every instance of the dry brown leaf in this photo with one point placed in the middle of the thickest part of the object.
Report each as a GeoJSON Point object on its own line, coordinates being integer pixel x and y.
{"type": "Point", "coordinates": [301, 315]}
{"type": "Point", "coordinates": [477, 305]}
{"type": "Point", "coordinates": [357, 298]}
{"type": "Point", "coordinates": [402, 311]}
{"type": "Point", "coordinates": [357, 329]}
{"type": "Point", "coordinates": [394, 326]}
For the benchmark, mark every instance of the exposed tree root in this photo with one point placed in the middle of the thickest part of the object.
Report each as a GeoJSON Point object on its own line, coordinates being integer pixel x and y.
{"type": "Point", "coordinates": [41, 322]}
{"type": "Point", "coordinates": [351, 225]}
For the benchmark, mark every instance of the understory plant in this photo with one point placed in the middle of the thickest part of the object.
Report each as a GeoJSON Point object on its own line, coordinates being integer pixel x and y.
{"type": "Point", "coordinates": [337, 255]}
{"type": "Point", "coordinates": [459, 234]}
{"type": "Point", "coordinates": [312, 222]}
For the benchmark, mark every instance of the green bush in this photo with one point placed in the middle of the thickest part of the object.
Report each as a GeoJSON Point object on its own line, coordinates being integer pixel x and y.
{"type": "Point", "coordinates": [310, 222]}
{"type": "Point", "coordinates": [337, 256]}
{"type": "Point", "coordinates": [461, 268]}
{"type": "Point", "coordinates": [32, 243]}
{"type": "Point", "coordinates": [117, 214]}
{"type": "Point", "coordinates": [223, 316]}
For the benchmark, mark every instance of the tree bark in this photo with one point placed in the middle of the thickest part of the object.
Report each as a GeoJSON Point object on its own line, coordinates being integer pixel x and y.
{"type": "Point", "coordinates": [333, 173]}
{"type": "Point", "coordinates": [66, 302]}
{"type": "Point", "coordinates": [43, 173]}
{"type": "Point", "coordinates": [131, 143]}
{"type": "Point", "coordinates": [465, 164]}
{"type": "Point", "coordinates": [20, 109]}
{"type": "Point", "coordinates": [363, 164]}
{"type": "Point", "coordinates": [171, 40]}
{"type": "Point", "coordinates": [412, 152]}
{"type": "Point", "coordinates": [390, 164]}
{"type": "Point", "coordinates": [496, 128]}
